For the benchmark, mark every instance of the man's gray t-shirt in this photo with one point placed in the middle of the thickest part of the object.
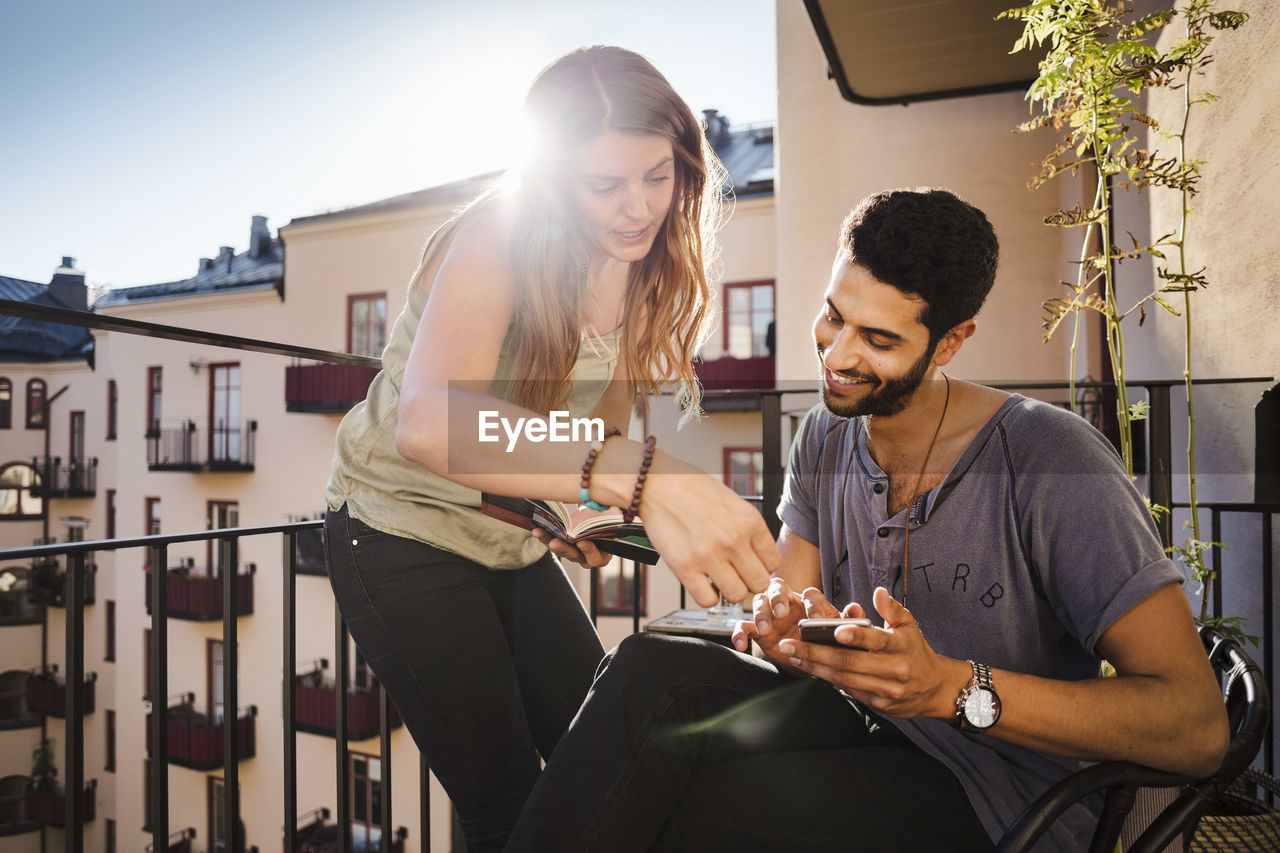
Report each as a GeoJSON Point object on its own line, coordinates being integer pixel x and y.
{"type": "Point", "coordinates": [1034, 544]}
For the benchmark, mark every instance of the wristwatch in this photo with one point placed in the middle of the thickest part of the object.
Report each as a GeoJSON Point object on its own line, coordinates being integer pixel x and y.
{"type": "Point", "coordinates": [978, 706]}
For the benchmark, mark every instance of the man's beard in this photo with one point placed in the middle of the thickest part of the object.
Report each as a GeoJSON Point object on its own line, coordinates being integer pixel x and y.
{"type": "Point", "coordinates": [886, 397]}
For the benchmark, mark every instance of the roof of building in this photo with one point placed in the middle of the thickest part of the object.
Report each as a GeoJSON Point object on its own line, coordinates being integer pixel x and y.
{"type": "Point", "coordinates": [746, 152]}
{"type": "Point", "coordinates": [26, 340]}
{"type": "Point", "coordinates": [260, 267]}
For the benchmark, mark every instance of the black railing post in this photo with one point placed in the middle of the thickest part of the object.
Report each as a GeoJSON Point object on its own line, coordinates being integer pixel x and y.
{"type": "Point", "coordinates": [230, 696]}
{"type": "Point", "coordinates": [289, 711]}
{"type": "Point", "coordinates": [424, 809]}
{"type": "Point", "coordinates": [384, 755]}
{"type": "Point", "coordinates": [771, 452]}
{"type": "Point", "coordinates": [74, 734]}
{"type": "Point", "coordinates": [1215, 535]}
{"type": "Point", "coordinates": [341, 674]}
{"type": "Point", "coordinates": [1268, 608]}
{"type": "Point", "coordinates": [593, 595]}
{"type": "Point", "coordinates": [159, 697]}
{"type": "Point", "coordinates": [1160, 457]}
{"type": "Point", "coordinates": [635, 597]}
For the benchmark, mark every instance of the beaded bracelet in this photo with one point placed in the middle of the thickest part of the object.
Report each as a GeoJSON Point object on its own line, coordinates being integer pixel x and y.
{"type": "Point", "coordinates": [629, 514]}
{"type": "Point", "coordinates": [584, 486]}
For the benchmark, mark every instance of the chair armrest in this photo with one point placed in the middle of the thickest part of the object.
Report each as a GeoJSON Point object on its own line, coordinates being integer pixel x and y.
{"type": "Point", "coordinates": [1125, 776]}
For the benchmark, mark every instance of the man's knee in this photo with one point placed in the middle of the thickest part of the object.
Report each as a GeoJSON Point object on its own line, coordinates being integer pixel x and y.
{"type": "Point", "coordinates": [651, 662]}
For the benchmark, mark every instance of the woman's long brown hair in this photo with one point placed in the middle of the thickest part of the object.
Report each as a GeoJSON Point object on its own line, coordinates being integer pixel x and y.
{"type": "Point", "coordinates": [667, 305]}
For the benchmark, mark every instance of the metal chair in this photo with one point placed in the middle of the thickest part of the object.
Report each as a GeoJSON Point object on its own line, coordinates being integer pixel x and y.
{"type": "Point", "coordinates": [1244, 691]}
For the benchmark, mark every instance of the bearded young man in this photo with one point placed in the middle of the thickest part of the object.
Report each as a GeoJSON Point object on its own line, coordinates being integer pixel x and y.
{"type": "Point", "coordinates": [1029, 557]}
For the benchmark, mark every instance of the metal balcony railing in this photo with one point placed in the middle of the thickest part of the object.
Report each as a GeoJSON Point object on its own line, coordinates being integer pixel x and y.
{"type": "Point", "coordinates": [325, 388]}
{"type": "Point", "coordinates": [78, 478]}
{"type": "Point", "coordinates": [316, 706]}
{"type": "Point", "coordinates": [16, 606]}
{"type": "Point", "coordinates": [757, 373]}
{"type": "Point", "coordinates": [198, 597]}
{"type": "Point", "coordinates": [47, 583]}
{"type": "Point", "coordinates": [219, 446]}
{"type": "Point", "coordinates": [198, 742]}
{"type": "Point", "coordinates": [47, 694]}
{"type": "Point", "coordinates": [47, 805]}
{"type": "Point", "coordinates": [76, 555]}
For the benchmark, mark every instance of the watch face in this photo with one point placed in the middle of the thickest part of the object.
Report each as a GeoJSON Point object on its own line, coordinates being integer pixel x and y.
{"type": "Point", "coordinates": [980, 708]}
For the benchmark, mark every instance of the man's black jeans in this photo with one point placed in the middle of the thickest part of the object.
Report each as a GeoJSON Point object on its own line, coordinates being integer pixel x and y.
{"type": "Point", "coordinates": [686, 745]}
{"type": "Point", "coordinates": [486, 667]}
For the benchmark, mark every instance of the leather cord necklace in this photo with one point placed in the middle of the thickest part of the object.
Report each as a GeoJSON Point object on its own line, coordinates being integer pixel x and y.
{"type": "Point", "coordinates": [924, 467]}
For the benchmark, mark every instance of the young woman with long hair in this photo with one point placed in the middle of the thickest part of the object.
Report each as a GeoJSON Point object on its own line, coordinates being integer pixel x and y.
{"type": "Point", "coordinates": [573, 291]}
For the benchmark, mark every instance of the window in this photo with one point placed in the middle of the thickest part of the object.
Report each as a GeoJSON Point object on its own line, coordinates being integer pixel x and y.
{"type": "Point", "coordinates": [75, 450]}
{"type": "Point", "coordinates": [111, 742]}
{"type": "Point", "coordinates": [748, 319]}
{"type": "Point", "coordinates": [744, 470]}
{"type": "Point", "coordinates": [219, 515]}
{"type": "Point", "coordinates": [111, 514]}
{"type": "Point", "coordinates": [16, 500]}
{"type": "Point", "coordinates": [146, 665]}
{"type": "Point", "coordinates": [155, 384]}
{"type": "Point", "coordinates": [146, 795]}
{"type": "Point", "coordinates": [110, 640]}
{"type": "Point", "coordinates": [35, 403]}
{"type": "Point", "coordinates": [113, 409]}
{"type": "Point", "coordinates": [367, 324]}
{"type": "Point", "coordinates": [217, 816]}
{"type": "Point", "coordinates": [6, 403]}
{"type": "Point", "coordinates": [615, 591]}
{"type": "Point", "coordinates": [224, 412]}
{"type": "Point", "coordinates": [150, 527]}
{"type": "Point", "coordinates": [214, 668]}
{"type": "Point", "coordinates": [366, 801]}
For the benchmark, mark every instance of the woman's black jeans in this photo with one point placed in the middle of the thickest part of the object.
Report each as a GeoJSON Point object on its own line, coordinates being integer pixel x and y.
{"type": "Point", "coordinates": [486, 667]}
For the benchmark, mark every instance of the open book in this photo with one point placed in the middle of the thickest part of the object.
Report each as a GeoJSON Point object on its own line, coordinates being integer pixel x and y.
{"type": "Point", "coordinates": [606, 530]}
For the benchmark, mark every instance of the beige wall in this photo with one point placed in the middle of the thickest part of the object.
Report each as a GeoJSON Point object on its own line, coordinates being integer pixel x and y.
{"type": "Point", "coordinates": [832, 153]}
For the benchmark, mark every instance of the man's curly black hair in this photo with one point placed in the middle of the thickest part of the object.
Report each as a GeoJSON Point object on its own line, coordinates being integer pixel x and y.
{"type": "Point", "coordinates": [927, 243]}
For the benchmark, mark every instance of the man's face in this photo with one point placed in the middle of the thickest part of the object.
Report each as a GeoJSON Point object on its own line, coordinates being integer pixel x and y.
{"type": "Point", "coordinates": [873, 350]}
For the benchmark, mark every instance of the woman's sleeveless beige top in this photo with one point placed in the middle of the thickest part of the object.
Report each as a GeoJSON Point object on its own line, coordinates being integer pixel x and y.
{"type": "Point", "coordinates": [392, 494]}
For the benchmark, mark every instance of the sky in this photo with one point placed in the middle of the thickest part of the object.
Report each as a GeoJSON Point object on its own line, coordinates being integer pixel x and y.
{"type": "Point", "coordinates": [140, 135]}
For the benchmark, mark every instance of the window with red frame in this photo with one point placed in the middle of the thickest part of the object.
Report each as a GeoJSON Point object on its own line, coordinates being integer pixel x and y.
{"type": "Point", "coordinates": [113, 409]}
{"type": "Point", "coordinates": [6, 403]}
{"type": "Point", "coordinates": [155, 385]}
{"type": "Point", "coordinates": [36, 391]}
{"type": "Point", "coordinates": [367, 324]}
{"type": "Point", "coordinates": [743, 471]}
{"type": "Point", "coordinates": [615, 587]}
{"type": "Point", "coordinates": [748, 314]}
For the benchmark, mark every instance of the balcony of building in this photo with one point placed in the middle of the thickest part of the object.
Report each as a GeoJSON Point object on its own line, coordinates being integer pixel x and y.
{"type": "Point", "coordinates": [177, 842]}
{"type": "Point", "coordinates": [197, 594]}
{"type": "Point", "coordinates": [47, 582]}
{"type": "Point", "coordinates": [196, 741]}
{"type": "Point", "coordinates": [14, 711]}
{"type": "Point", "coordinates": [47, 694]}
{"type": "Point", "coordinates": [316, 705]}
{"type": "Point", "coordinates": [309, 550]}
{"type": "Point", "coordinates": [218, 446]}
{"type": "Point", "coordinates": [77, 478]}
{"type": "Point", "coordinates": [315, 834]}
{"type": "Point", "coordinates": [325, 388]}
{"type": "Point", "coordinates": [47, 804]}
{"type": "Point", "coordinates": [14, 818]}
{"type": "Point", "coordinates": [16, 606]}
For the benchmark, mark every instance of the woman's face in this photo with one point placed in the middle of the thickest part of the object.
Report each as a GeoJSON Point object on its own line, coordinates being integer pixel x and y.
{"type": "Point", "coordinates": [622, 186]}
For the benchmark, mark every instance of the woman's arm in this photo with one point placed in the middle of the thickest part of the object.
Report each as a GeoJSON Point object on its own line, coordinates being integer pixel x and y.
{"type": "Point", "coordinates": [702, 529]}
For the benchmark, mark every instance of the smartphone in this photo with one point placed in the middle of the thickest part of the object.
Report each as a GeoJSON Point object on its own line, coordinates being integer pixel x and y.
{"type": "Point", "coordinates": [824, 630]}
